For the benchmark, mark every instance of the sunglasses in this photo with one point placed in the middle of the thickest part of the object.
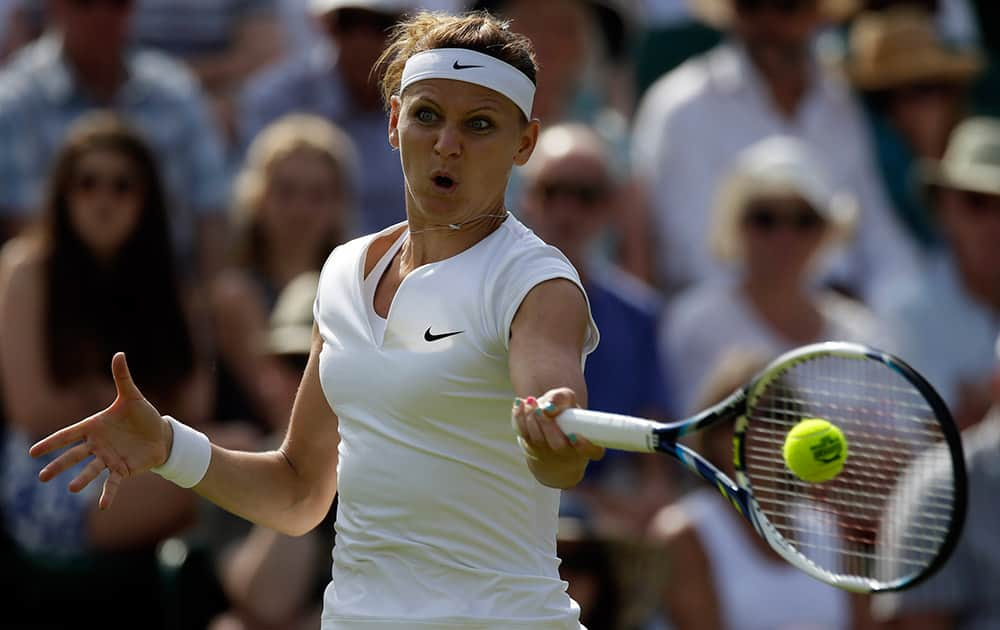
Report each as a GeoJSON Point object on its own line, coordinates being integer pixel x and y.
{"type": "Point", "coordinates": [770, 218]}
{"type": "Point", "coordinates": [90, 4]}
{"type": "Point", "coordinates": [118, 186]}
{"type": "Point", "coordinates": [979, 206]}
{"type": "Point", "coordinates": [583, 193]}
{"type": "Point", "coordinates": [779, 6]}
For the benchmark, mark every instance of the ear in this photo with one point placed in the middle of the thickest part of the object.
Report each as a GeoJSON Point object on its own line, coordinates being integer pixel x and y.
{"type": "Point", "coordinates": [526, 146]}
{"type": "Point", "coordinates": [394, 107]}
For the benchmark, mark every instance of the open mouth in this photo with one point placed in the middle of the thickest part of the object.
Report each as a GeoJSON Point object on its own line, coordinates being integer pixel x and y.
{"type": "Point", "coordinates": [444, 183]}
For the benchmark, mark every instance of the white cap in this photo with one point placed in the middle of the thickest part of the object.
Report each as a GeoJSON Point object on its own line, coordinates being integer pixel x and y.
{"type": "Point", "coordinates": [390, 7]}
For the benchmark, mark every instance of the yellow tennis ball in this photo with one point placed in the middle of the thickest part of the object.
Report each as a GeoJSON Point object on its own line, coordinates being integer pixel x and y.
{"type": "Point", "coordinates": [815, 450]}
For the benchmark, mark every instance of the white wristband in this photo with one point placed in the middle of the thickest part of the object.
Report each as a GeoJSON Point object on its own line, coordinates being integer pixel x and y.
{"type": "Point", "coordinates": [189, 456]}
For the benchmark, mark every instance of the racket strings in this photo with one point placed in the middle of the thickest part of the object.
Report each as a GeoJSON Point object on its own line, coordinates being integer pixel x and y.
{"type": "Point", "coordinates": [888, 512]}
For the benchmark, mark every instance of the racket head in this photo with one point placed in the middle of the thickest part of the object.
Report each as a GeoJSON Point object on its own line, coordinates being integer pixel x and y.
{"type": "Point", "coordinates": [894, 513]}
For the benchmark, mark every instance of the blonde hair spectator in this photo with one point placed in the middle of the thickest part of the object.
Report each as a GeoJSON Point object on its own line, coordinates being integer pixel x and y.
{"type": "Point", "coordinates": [288, 135]}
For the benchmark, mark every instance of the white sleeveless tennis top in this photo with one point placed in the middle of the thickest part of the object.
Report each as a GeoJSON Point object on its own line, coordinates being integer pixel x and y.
{"type": "Point", "coordinates": [440, 523]}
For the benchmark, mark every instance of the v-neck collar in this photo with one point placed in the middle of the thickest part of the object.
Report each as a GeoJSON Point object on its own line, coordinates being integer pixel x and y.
{"type": "Point", "coordinates": [367, 286]}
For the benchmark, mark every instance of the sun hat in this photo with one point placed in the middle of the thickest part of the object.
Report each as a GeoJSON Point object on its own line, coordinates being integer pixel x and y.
{"type": "Point", "coordinates": [971, 160]}
{"type": "Point", "coordinates": [785, 165]}
{"type": "Point", "coordinates": [719, 13]}
{"type": "Point", "coordinates": [778, 165]}
{"type": "Point", "coordinates": [291, 322]}
{"type": "Point", "coordinates": [899, 46]}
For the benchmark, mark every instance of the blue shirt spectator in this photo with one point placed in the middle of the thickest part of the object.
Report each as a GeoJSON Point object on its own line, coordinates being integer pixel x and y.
{"type": "Point", "coordinates": [624, 374]}
{"type": "Point", "coordinates": [40, 97]}
{"type": "Point", "coordinates": [186, 28]}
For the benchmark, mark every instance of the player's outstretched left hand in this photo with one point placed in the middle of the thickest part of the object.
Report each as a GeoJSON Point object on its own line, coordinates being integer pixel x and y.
{"type": "Point", "coordinates": [127, 438]}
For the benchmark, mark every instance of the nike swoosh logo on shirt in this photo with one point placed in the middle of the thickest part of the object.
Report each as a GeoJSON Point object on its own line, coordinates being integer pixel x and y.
{"type": "Point", "coordinates": [458, 66]}
{"type": "Point", "coordinates": [429, 336]}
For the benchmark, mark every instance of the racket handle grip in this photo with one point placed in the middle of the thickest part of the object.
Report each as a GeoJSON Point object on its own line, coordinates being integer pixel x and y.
{"type": "Point", "coordinates": [612, 430]}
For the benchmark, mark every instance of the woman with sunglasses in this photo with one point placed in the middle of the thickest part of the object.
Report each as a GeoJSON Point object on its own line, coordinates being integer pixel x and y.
{"type": "Point", "coordinates": [95, 275]}
{"type": "Point", "coordinates": [425, 332]}
{"type": "Point", "coordinates": [775, 217]}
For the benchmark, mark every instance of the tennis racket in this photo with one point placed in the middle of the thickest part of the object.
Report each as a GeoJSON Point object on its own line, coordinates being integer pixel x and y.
{"type": "Point", "coordinates": [892, 515]}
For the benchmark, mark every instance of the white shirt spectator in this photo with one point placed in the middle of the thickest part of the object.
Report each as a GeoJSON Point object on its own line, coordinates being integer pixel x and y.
{"type": "Point", "coordinates": [695, 120]}
{"type": "Point", "coordinates": [702, 324]}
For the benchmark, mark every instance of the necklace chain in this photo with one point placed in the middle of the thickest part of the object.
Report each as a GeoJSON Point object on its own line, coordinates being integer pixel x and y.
{"type": "Point", "coordinates": [458, 226]}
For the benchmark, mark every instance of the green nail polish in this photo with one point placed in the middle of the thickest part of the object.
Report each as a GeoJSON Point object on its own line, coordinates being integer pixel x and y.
{"type": "Point", "coordinates": [518, 402]}
{"type": "Point", "coordinates": [572, 438]}
{"type": "Point", "coordinates": [538, 411]}
{"type": "Point", "coordinates": [549, 407]}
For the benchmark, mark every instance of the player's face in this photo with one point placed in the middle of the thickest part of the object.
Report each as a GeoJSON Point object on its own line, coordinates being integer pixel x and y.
{"type": "Point", "coordinates": [568, 201]}
{"type": "Point", "coordinates": [458, 142]}
{"type": "Point", "coordinates": [105, 200]}
{"type": "Point", "coordinates": [780, 234]}
{"type": "Point", "coordinates": [303, 199]}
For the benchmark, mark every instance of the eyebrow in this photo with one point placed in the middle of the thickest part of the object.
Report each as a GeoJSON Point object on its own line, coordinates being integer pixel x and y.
{"type": "Point", "coordinates": [490, 104]}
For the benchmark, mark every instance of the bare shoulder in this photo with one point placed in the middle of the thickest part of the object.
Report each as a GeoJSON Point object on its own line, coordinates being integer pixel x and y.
{"type": "Point", "coordinates": [21, 267]}
{"type": "Point", "coordinates": [554, 311]}
{"type": "Point", "coordinates": [672, 525]}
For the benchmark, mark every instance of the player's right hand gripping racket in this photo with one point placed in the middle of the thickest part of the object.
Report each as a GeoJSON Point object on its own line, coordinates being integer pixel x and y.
{"type": "Point", "coordinates": [892, 515]}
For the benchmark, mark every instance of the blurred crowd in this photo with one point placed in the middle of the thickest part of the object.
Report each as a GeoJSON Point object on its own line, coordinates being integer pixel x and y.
{"type": "Point", "coordinates": [731, 178]}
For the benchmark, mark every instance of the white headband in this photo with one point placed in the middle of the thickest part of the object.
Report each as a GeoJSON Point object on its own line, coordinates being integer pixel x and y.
{"type": "Point", "coordinates": [461, 64]}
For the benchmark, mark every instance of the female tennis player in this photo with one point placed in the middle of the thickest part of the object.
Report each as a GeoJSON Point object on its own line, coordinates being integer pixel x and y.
{"type": "Point", "coordinates": [425, 333]}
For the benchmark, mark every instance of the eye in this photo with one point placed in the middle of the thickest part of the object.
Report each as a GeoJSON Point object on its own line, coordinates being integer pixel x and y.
{"type": "Point", "coordinates": [425, 115]}
{"type": "Point", "coordinates": [480, 124]}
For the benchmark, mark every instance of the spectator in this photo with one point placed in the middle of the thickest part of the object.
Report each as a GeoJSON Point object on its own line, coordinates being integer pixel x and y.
{"type": "Point", "coordinates": [294, 202]}
{"type": "Point", "coordinates": [587, 565]}
{"type": "Point", "coordinates": [17, 27]}
{"type": "Point", "coordinates": [948, 315]}
{"type": "Point", "coordinates": [765, 79]}
{"type": "Point", "coordinates": [340, 87]}
{"type": "Point", "coordinates": [571, 198]}
{"type": "Point", "coordinates": [223, 42]}
{"type": "Point", "coordinates": [916, 89]}
{"type": "Point", "coordinates": [83, 63]}
{"type": "Point", "coordinates": [962, 595]}
{"type": "Point", "coordinates": [95, 275]}
{"type": "Point", "coordinates": [273, 580]}
{"type": "Point", "coordinates": [775, 216]}
{"type": "Point", "coordinates": [724, 575]}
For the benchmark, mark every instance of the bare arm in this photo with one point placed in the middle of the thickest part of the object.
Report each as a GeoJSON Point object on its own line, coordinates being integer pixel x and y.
{"type": "Point", "coordinates": [546, 342]}
{"type": "Point", "coordinates": [689, 596]}
{"type": "Point", "coordinates": [289, 490]}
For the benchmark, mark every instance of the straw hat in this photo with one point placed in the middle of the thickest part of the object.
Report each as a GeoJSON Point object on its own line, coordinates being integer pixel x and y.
{"type": "Point", "coordinates": [971, 161]}
{"type": "Point", "coordinates": [719, 13]}
{"type": "Point", "coordinates": [900, 46]}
